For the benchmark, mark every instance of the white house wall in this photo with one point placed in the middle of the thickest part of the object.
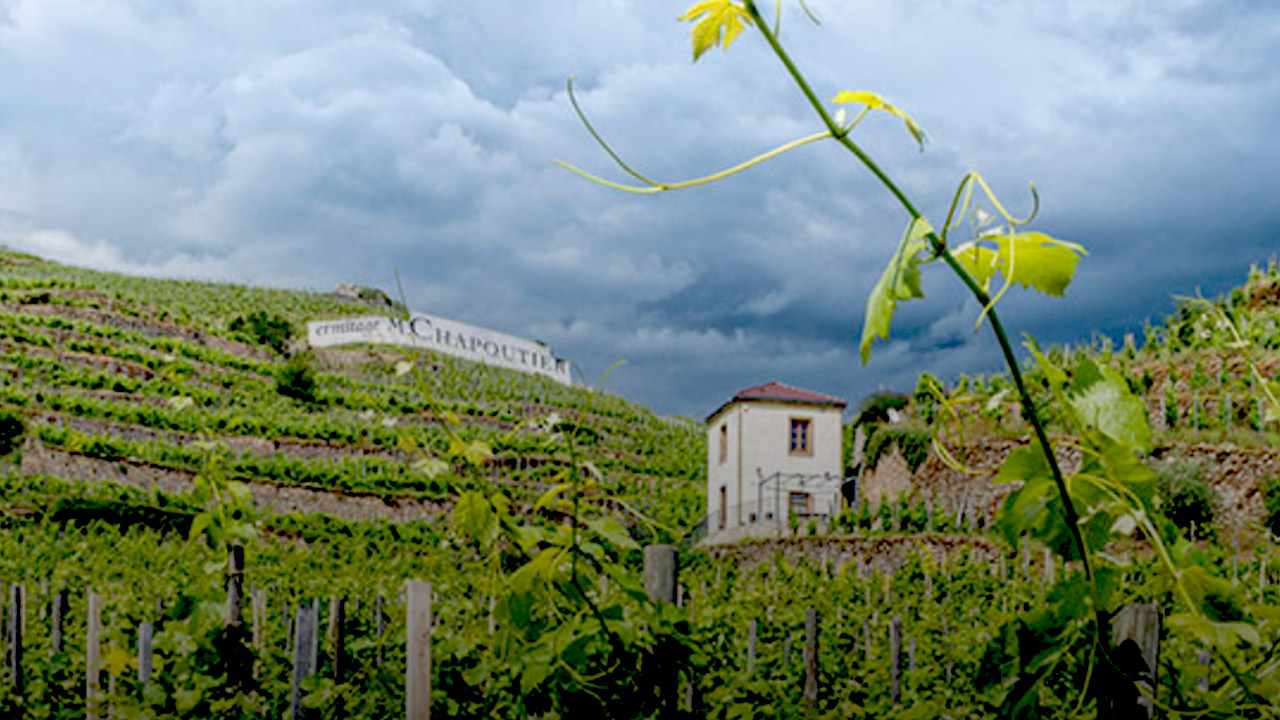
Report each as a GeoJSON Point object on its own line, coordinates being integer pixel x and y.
{"type": "Point", "coordinates": [724, 474]}
{"type": "Point", "coordinates": [767, 450]}
{"type": "Point", "coordinates": [759, 434]}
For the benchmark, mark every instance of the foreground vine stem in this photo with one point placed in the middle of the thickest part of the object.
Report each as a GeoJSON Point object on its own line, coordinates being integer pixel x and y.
{"type": "Point", "coordinates": [940, 250]}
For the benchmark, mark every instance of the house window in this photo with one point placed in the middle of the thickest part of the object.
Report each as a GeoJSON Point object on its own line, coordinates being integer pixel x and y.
{"type": "Point", "coordinates": [799, 503]}
{"type": "Point", "coordinates": [801, 443]}
{"type": "Point", "coordinates": [724, 443]}
{"type": "Point", "coordinates": [724, 506]}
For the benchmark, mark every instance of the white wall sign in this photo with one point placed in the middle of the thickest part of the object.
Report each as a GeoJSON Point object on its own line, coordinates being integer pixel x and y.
{"type": "Point", "coordinates": [446, 336]}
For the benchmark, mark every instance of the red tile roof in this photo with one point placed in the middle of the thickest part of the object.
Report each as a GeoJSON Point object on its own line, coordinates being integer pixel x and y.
{"type": "Point", "coordinates": [787, 393]}
{"type": "Point", "coordinates": [781, 392]}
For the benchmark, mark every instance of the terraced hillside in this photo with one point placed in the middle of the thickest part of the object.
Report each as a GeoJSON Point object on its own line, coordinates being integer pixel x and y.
{"type": "Point", "coordinates": [129, 380]}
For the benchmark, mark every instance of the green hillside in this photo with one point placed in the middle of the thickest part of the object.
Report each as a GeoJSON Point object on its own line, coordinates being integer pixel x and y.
{"type": "Point", "coordinates": [126, 380]}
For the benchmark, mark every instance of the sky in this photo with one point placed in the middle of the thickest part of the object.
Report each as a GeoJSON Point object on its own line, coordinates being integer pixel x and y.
{"type": "Point", "coordinates": [304, 143]}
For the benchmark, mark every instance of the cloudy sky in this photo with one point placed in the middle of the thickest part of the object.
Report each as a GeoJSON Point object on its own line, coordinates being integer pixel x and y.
{"type": "Point", "coordinates": [302, 143]}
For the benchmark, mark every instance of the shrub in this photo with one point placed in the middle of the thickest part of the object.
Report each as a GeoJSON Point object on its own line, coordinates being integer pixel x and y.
{"type": "Point", "coordinates": [886, 515]}
{"type": "Point", "coordinates": [919, 515]}
{"type": "Point", "coordinates": [863, 520]}
{"type": "Point", "coordinates": [12, 429]}
{"type": "Point", "coordinates": [1188, 498]}
{"type": "Point", "coordinates": [1271, 501]}
{"type": "Point", "coordinates": [924, 397]}
{"type": "Point", "coordinates": [297, 380]}
{"type": "Point", "coordinates": [272, 331]}
{"type": "Point", "coordinates": [875, 407]}
{"type": "Point", "coordinates": [913, 442]}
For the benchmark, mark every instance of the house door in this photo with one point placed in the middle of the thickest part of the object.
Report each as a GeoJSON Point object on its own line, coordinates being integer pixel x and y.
{"type": "Point", "coordinates": [724, 506]}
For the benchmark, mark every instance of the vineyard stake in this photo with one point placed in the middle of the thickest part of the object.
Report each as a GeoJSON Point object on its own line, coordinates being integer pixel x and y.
{"type": "Point", "coordinates": [661, 568]}
{"type": "Point", "coordinates": [866, 638]}
{"type": "Point", "coordinates": [15, 639]}
{"type": "Point", "coordinates": [895, 652]}
{"type": "Point", "coordinates": [145, 630]}
{"type": "Point", "coordinates": [338, 616]}
{"type": "Point", "coordinates": [1141, 625]}
{"type": "Point", "coordinates": [92, 654]}
{"type": "Point", "coordinates": [314, 637]}
{"type": "Point", "coordinates": [233, 641]}
{"type": "Point", "coordinates": [751, 648]}
{"type": "Point", "coordinates": [1205, 659]}
{"type": "Point", "coordinates": [418, 652]}
{"type": "Point", "coordinates": [810, 658]}
{"type": "Point", "coordinates": [58, 611]}
{"type": "Point", "coordinates": [380, 621]}
{"type": "Point", "coordinates": [304, 632]}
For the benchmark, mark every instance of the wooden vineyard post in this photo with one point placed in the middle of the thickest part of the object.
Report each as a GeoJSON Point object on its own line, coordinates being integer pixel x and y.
{"type": "Point", "coordinates": [866, 638]}
{"type": "Point", "coordinates": [145, 632]}
{"type": "Point", "coordinates": [810, 658]}
{"type": "Point", "coordinates": [1205, 659]}
{"type": "Point", "coordinates": [946, 633]}
{"type": "Point", "coordinates": [418, 652]}
{"type": "Point", "coordinates": [289, 629]}
{"type": "Point", "coordinates": [661, 569]}
{"type": "Point", "coordinates": [92, 657]}
{"type": "Point", "coordinates": [314, 649]}
{"type": "Point", "coordinates": [234, 639]}
{"type": "Point", "coordinates": [260, 614]}
{"type": "Point", "coordinates": [303, 634]}
{"type": "Point", "coordinates": [235, 586]}
{"type": "Point", "coordinates": [58, 611]}
{"type": "Point", "coordinates": [895, 653]}
{"type": "Point", "coordinates": [1135, 633]}
{"type": "Point", "coordinates": [338, 623]}
{"type": "Point", "coordinates": [380, 622]}
{"type": "Point", "coordinates": [13, 640]}
{"type": "Point", "coordinates": [751, 648]}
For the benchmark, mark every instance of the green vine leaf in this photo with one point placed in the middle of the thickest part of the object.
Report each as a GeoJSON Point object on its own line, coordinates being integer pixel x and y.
{"type": "Point", "coordinates": [715, 22]}
{"type": "Point", "coordinates": [1102, 399]}
{"type": "Point", "coordinates": [875, 102]}
{"type": "Point", "coordinates": [610, 529]}
{"type": "Point", "coordinates": [899, 281]}
{"type": "Point", "coordinates": [1215, 634]}
{"type": "Point", "coordinates": [1035, 260]}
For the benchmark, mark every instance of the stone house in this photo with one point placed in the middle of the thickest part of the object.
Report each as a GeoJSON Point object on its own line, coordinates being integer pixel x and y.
{"type": "Point", "coordinates": [774, 452]}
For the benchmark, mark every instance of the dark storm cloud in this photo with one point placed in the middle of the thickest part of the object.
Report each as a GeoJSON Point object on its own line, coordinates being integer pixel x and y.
{"type": "Point", "coordinates": [304, 143]}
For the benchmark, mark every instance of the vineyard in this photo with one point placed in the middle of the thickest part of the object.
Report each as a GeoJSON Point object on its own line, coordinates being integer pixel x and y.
{"type": "Point", "coordinates": [521, 506]}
